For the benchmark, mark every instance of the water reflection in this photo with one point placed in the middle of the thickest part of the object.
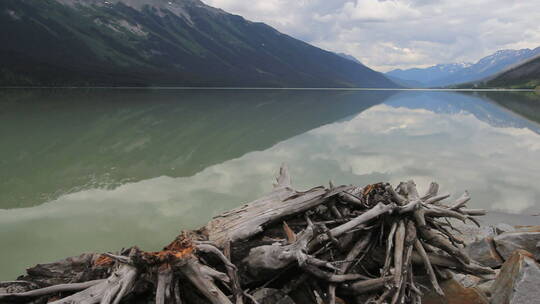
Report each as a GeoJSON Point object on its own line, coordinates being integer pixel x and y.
{"type": "Point", "coordinates": [494, 108]}
{"type": "Point", "coordinates": [60, 141]}
{"type": "Point", "coordinates": [525, 104]}
{"type": "Point", "coordinates": [462, 141]}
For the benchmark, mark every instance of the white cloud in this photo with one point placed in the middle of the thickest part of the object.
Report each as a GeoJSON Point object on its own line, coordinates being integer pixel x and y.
{"type": "Point", "coordinates": [387, 34]}
{"type": "Point", "coordinates": [374, 10]}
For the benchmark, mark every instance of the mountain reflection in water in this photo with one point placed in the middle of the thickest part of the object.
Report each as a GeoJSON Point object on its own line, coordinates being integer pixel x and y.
{"type": "Point", "coordinates": [59, 141]}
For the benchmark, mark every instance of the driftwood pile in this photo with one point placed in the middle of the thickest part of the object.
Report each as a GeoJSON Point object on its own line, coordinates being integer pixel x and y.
{"type": "Point", "coordinates": [341, 244]}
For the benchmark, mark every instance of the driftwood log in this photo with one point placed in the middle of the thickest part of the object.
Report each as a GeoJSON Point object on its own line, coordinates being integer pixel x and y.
{"type": "Point", "coordinates": [348, 243]}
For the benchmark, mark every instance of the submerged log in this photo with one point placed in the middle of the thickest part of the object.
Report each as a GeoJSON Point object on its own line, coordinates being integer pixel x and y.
{"type": "Point", "coordinates": [324, 244]}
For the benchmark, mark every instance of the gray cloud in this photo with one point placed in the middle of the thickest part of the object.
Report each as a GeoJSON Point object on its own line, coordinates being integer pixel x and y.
{"type": "Point", "coordinates": [401, 33]}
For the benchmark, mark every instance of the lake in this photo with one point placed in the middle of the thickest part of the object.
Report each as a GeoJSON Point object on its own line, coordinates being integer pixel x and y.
{"type": "Point", "coordinates": [100, 169]}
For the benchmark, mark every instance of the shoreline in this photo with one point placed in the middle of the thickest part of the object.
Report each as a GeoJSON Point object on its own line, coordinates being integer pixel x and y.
{"type": "Point", "coordinates": [270, 88]}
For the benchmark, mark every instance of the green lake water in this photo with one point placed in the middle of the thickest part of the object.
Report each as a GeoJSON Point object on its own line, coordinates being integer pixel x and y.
{"type": "Point", "coordinates": [100, 169]}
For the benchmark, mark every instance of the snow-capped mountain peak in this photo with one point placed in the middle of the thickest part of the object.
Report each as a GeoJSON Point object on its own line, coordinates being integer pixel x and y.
{"type": "Point", "coordinates": [455, 73]}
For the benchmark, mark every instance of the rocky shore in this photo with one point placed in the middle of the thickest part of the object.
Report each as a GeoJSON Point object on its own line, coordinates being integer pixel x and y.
{"type": "Point", "coordinates": [514, 254]}
{"type": "Point", "coordinates": [375, 243]}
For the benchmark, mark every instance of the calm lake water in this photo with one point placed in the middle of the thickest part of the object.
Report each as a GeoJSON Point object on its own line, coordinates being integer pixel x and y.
{"type": "Point", "coordinates": [101, 169]}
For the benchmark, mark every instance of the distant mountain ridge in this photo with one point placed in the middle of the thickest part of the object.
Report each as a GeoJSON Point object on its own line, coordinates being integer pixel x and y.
{"type": "Point", "coordinates": [526, 75]}
{"type": "Point", "coordinates": [456, 73]}
{"type": "Point", "coordinates": [159, 42]}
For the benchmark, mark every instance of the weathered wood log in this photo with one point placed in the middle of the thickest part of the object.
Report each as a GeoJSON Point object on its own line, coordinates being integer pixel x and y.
{"type": "Point", "coordinates": [237, 291]}
{"type": "Point", "coordinates": [389, 247]}
{"type": "Point", "coordinates": [50, 290]}
{"type": "Point", "coordinates": [110, 291]}
{"type": "Point", "coordinates": [350, 198]}
{"type": "Point", "coordinates": [165, 288]}
{"type": "Point", "coordinates": [250, 219]}
{"type": "Point", "coordinates": [431, 192]}
{"type": "Point", "coordinates": [427, 264]}
{"type": "Point", "coordinates": [279, 256]}
{"type": "Point", "coordinates": [449, 262]}
{"type": "Point", "coordinates": [372, 213]}
{"type": "Point", "coordinates": [366, 286]}
{"type": "Point", "coordinates": [398, 252]}
{"type": "Point", "coordinates": [200, 276]}
{"type": "Point", "coordinates": [460, 202]}
{"type": "Point", "coordinates": [358, 247]}
{"type": "Point", "coordinates": [84, 267]}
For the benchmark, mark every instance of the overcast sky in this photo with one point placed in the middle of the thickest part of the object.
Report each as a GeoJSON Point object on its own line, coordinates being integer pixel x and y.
{"type": "Point", "coordinates": [390, 34]}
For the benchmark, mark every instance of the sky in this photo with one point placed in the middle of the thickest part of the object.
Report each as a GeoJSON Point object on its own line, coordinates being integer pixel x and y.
{"type": "Point", "coordinates": [389, 34]}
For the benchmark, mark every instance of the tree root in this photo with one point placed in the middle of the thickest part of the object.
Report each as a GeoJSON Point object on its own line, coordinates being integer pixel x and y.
{"type": "Point", "coordinates": [353, 241]}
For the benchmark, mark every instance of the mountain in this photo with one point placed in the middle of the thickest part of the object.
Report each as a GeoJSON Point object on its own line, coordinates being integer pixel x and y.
{"type": "Point", "coordinates": [426, 76]}
{"type": "Point", "coordinates": [159, 42]}
{"type": "Point", "coordinates": [455, 73]}
{"type": "Point", "coordinates": [349, 57]}
{"type": "Point", "coordinates": [525, 75]}
{"type": "Point", "coordinates": [406, 83]}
